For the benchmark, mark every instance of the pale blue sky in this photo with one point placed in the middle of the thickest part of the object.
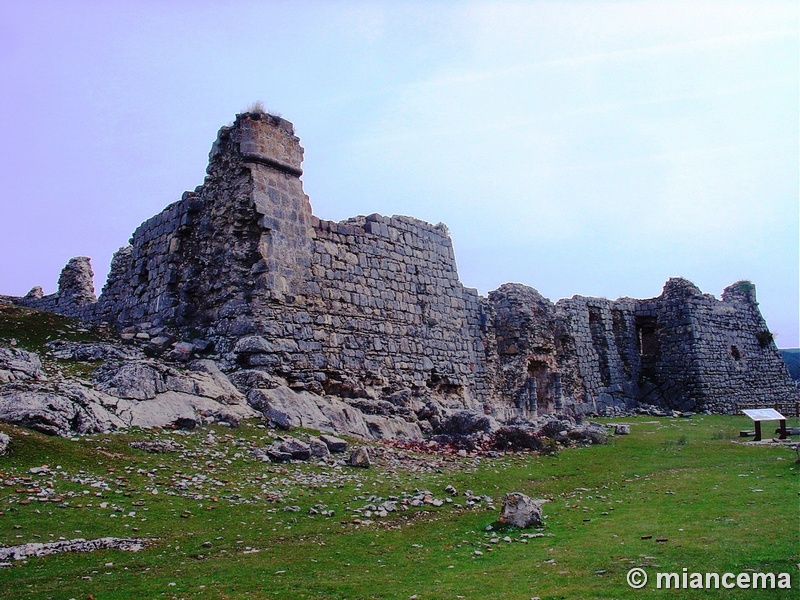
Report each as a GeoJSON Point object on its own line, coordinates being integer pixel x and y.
{"type": "Point", "coordinates": [590, 148]}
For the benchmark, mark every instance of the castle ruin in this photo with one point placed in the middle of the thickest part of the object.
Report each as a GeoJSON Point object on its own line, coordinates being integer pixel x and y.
{"type": "Point", "coordinates": [372, 307]}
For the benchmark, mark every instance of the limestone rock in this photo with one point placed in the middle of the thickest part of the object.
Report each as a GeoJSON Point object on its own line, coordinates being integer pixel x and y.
{"type": "Point", "coordinates": [319, 449]}
{"type": "Point", "coordinates": [297, 449]}
{"type": "Point", "coordinates": [5, 441]}
{"type": "Point", "coordinates": [468, 423]}
{"type": "Point", "coordinates": [54, 413]}
{"type": "Point", "coordinates": [137, 380]}
{"type": "Point", "coordinates": [278, 456]}
{"type": "Point", "coordinates": [521, 511]}
{"type": "Point", "coordinates": [91, 351]}
{"type": "Point", "coordinates": [359, 457]}
{"type": "Point", "coordinates": [35, 293]}
{"type": "Point", "coordinates": [19, 365]}
{"type": "Point", "coordinates": [334, 444]}
{"type": "Point", "coordinates": [25, 551]}
{"type": "Point", "coordinates": [287, 408]}
{"type": "Point", "coordinates": [157, 446]}
{"type": "Point", "coordinates": [389, 428]}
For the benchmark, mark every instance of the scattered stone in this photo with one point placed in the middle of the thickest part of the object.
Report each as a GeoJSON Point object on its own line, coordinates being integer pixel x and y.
{"type": "Point", "coordinates": [622, 429]}
{"type": "Point", "coordinates": [5, 441]}
{"type": "Point", "coordinates": [521, 511]}
{"type": "Point", "coordinates": [157, 447]}
{"type": "Point", "coordinates": [77, 545]}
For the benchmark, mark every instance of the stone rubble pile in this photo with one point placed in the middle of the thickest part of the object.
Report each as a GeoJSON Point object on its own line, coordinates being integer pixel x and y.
{"type": "Point", "coordinates": [25, 551]}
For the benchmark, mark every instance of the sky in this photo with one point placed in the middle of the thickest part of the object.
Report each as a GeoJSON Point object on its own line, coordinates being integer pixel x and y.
{"type": "Point", "coordinates": [579, 147]}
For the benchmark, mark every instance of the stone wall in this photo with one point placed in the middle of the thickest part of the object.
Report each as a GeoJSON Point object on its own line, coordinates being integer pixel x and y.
{"type": "Point", "coordinates": [683, 350]}
{"type": "Point", "coordinates": [75, 296]}
{"type": "Point", "coordinates": [372, 307]}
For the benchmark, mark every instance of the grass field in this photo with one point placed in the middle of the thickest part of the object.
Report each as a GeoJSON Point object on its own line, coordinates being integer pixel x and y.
{"type": "Point", "coordinates": [222, 524]}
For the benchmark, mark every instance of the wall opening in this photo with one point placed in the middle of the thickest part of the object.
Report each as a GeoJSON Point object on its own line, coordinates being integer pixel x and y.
{"type": "Point", "coordinates": [735, 353]}
{"type": "Point", "coordinates": [539, 386]}
{"type": "Point", "coordinates": [647, 336]}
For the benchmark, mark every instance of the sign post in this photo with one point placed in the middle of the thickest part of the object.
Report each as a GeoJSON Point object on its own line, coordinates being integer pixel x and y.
{"type": "Point", "coordinates": [766, 414]}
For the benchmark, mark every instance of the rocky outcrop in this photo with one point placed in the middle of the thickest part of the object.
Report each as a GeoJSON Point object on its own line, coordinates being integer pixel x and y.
{"type": "Point", "coordinates": [76, 283]}
{"type": "Point", "coordinates": [121, 393]}
{"type": "Point", "coordinates": [19, 365]}
{"type": "Point", "coordinates": [287, 408]}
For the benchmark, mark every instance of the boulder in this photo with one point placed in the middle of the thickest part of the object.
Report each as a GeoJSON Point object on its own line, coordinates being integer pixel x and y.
{"type": "Point", "coordinates": [334, 443]}
{"type": "Point", "coordinates": [521, 511]}
{"type": "Point", "coordinates": [298, 449]}
{"type": "Point", "coordinates": [319, 449]}
{"type": "Point", "coordinates": [4, 443]}
{"type": "Point", "coordinates": [278, 456]}
{"type": "Point", "coordinates": [622, 429]}
{"type": "Point", "coordinates": [359, 458]}
{"type": "Point", "coordinates": [467, 422]}
{"type": "Point", "coordinates": [135, 380]}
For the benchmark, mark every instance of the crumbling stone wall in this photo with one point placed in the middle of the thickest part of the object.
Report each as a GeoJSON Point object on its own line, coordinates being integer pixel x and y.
{"type": "Point", "coordinates": [372, 307]}
{"type": "Point", "coordinates": [683, 350]}
{"type": "Point", "coordinates": [236, 243]}
{"type": "Point", "coordinates": [75, 295]}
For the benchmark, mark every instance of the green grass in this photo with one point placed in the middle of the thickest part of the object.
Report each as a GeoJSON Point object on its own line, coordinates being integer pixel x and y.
{"type": "Point", "coordinates": [31, 329]}
{"type": "Point", "coordinates": [721, 506]}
